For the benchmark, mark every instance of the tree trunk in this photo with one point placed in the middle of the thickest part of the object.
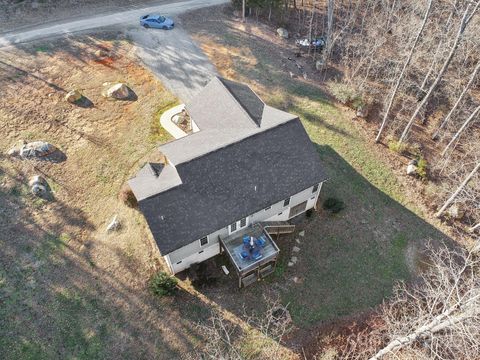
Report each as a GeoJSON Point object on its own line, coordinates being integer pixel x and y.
{"type": "Point", "coordinates": [243, 10]}
{"type": "Point", "coordinates": [462, 128]}
{"type": "Point", "coordinates": [439, 47]}
{"type": "Point", "coordinates": [474, 227]}
{"type": "Point", "coordinates": [459, 189]}
{"type": "Point", "coordinates": [463, 24]}
{"type": "Point", "coordinates": [400, 77]}
{"type": "Point", "coordinates": [459, 100]}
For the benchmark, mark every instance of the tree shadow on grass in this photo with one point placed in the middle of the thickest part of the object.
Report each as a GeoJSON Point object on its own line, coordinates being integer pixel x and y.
{"type": "Point", "coordinates": [55, 303]}
{"type": "Point", "coordinates": [348, 262]}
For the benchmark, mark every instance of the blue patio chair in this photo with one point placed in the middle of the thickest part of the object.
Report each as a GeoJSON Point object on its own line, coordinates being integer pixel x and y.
{"type": "Point", "coordinates": [244, 254]}
{"type": "Point", "coordinates": [261, 241]}
{"type": "Point", "coordinates": [256, 255]}
{"type": "Point", "coordinates": [246, 240]}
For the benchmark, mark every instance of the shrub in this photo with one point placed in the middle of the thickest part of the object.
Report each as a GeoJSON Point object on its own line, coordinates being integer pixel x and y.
{"type": "Point", "coordinates": [346, 95]}
{"type": "Point", "coordinates": [127, 197]}
{"type": "Point", "coordinates": [163, 284]}
{"type": "Point", "coordinates": [398, 147]}
{"type": "Point", "coordinates": [333, 205]}
{"type": "Point", "coordinates": [422, 167]}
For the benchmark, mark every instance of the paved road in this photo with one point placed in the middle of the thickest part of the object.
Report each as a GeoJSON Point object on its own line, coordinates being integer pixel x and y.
{"type": "Point", "coordinates": [171, 55]}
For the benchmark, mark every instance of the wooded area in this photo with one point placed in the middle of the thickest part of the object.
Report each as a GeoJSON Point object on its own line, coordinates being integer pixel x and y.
{"type": "Point", "coordinates": [413, 65]}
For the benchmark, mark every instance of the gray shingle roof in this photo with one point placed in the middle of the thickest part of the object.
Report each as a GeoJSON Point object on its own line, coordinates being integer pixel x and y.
{"type": "Point", "coordinates": [246, 156]}
{"type": "Point", "coordinates": [228, 184]}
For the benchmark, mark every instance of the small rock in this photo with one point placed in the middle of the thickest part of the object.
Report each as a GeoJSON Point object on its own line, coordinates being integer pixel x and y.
{"type": "Point", "coordinates": [295, 280]}
{"type": "Point", "coordinates": [283, 33]}
{"type": "Point", "coordinates": [319, 64]}
{"type": "Point", "coordinates": [118, 91]}
{"type": "Point", "coordinates": [294, 259]}
{"type": "Point", "coordinates": [292, 75]}
{"type": "Point", "coordinates": [38, 190]}
{"type": "Point", "coordinates": [297, 241]}
{"type": "Point", "coordinates": [305, 76]}
{"type": "Point", "coordinates": [114, 224]}
{"type": "Point", "coordinates": [362, 112]}
{"type": "Point", "coordinates": [296, 249]}
{"type": "Point", "coordinates": [38, 185]}
{"type": "Point", "coordinates": [73, 96]}
{"type": "Point", "coordinates": [301, 233]}
{"type": "Point", "coordinates": [37, 179]}
{"type": "Point", "coordinates": [413, 162]}
{"type": "Point", "coordinates": [456, 212]}
{"type": "Point", "coordinates": [290, 264]}
{"type": "Point", "coordinates": [411, 169]}
{"type": "Point", "coordinates": [101, 53]}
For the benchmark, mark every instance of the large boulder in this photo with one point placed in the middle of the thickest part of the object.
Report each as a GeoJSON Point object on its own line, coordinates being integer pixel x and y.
{"type": "Point", "coordinates": [119, 91]}
{"type": "Point", "coordinates": [283, 33]}
{"type": "Point", "coordinates": [35, 149]}
{"type": "Point", "coordinates": [73, 96]}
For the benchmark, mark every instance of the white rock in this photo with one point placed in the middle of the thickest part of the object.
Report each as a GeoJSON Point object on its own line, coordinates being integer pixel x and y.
{"type": "Point", "coordinates": [118, 91]}
{"type": "Point", "coordinates": [297, 241]}
{"type": "Point", "coordinates": [73, 96]}
{"type": "Point", "coordinates": [296, 249]}
{"type": "Point", "coordinates": [114, 224]}
{"type": "Point", "coordinates": [283, 33]}
{"type": "Point", "coordinates": [290, 264]}
{"type": "Point", "coordinates": [411, 169]}
{"type": "Point", "coordinates": [38, 189]}
{"type": "Point", "coordinates": [294, 259]}
{"type": "Point", "coordinates": [455, 212]}
{"type": "Point", "coordinates": [319, 64]}
{"type": "Point", "coordinates": [301, 233]}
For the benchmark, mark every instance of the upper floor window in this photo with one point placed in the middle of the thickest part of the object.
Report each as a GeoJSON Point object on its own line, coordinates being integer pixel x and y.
{"type": "Point", "coordinates": [237, 225]}
{"type": "Point", "coordinates": [204, 241]}
{"type": "Point", "coordinates": [315, 188]}
{"type": "Point", "coordinates": [286, 202]}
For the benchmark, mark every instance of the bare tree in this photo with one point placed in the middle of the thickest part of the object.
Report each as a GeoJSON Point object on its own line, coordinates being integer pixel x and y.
{"type": "Point", "coordinates": [459, 189]}
{"type": "Point", "coordinates": [459, 100]}
{"type": "Point", "coordinates": [438, 317]}
{"type": "Point", "coordinates": [467, 17]}
{"type": "Point", "coordinates": [462, 129]}
{"type": "Point", "coordinates": [226, 340]}
{"type": "Point", "coordinates": [405, 65]}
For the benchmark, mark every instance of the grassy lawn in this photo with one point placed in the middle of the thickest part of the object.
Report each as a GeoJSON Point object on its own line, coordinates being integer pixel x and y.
{"type": "Point", "coordinates": [348, 262]}
{"type": "Point", "coordinates": [68, 289]}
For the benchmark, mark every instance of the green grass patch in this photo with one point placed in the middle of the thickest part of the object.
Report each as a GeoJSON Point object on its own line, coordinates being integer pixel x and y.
{"type": "Point", "coordinates": [157, 133]}
{"type": "Point", "coordinates": [51, 245]}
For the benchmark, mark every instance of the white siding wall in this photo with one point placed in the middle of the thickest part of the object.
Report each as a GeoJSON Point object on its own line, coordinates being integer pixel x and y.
{"type": "Point", "coordinates": [182, 258]}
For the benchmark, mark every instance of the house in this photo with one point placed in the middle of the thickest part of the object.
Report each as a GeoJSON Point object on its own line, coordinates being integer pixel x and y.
{"type": "Point", "coordinates": [249, 163]}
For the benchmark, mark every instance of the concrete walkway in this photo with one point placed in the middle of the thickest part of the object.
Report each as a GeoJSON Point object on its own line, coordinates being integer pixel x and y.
{"type": "Point", "coordinates": [168, 124]}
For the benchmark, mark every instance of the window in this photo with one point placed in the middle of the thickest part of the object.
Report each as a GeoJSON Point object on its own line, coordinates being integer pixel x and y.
{"type": "Point", "coordinates": [268, 208]}
{"type": "Point", "coordinates": [286, 202]}
{"type": "Point", "coordinates": [315, 188]}
{"type": "Point", "coordinates": [237, 225]}
{"type": "Point", "coordinates": [204, 241]}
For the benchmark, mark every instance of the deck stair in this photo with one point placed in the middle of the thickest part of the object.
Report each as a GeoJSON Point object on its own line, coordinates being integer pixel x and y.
{"type": "Point", "coordinates": [278, 227]}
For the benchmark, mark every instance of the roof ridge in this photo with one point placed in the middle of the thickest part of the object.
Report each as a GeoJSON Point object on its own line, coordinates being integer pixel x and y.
{"type": "Point", "coordinates": [238, 141]}
{"type": "Point", "coordinates": [219, 78]}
